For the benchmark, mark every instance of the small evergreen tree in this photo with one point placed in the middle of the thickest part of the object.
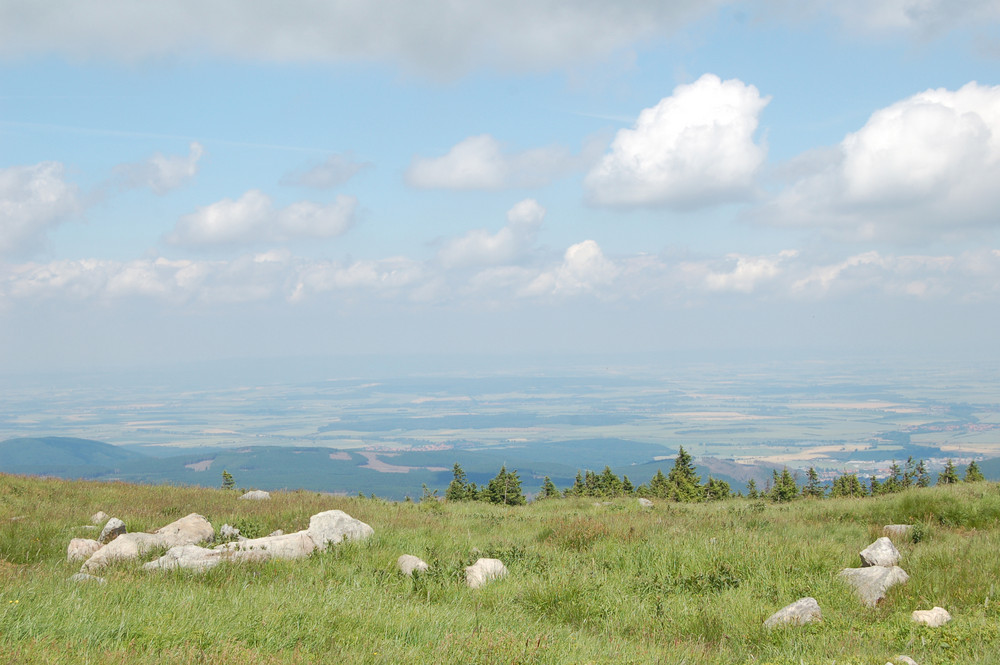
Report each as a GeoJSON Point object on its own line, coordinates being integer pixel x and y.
{"type": "Point", "coordinates": [627, 488]}
{"type": "Point", "coordinates": [608, 484]}
{"type": "Point", "coordinates": [716, 490]}
{"type": "Point", "coordinates": [549, 490]}
{"type": "Point", "coordinates": [752, 492]}
{"type": "Point", "coordinates": [228, 483]}
{"type": "Point", "coordinates": [894, 482]}
{"type": "Point", "coordinates": [505, 489]}
{"type": "Point", "coordinates": [949, 476]}
{"type": "Point", "coordinates": [813, 488]}
{"type": "Point", "coordinates": [784, 487]}
{"type": "Point", "coordinates": [458, 488]}
{"type": "Point", "coordinates": [909, 472]}
{"type": "Point", "coordinates": [658, 486]}
{"type": "Point", "coordinates": [577, 488]}
{"type": "Point", "coordinates": [683, 483]}
{"type": "Point", "coordinates": [922, 478]}
{"type": "Point", "coordinates": [875, 487]}
{"type": "Point", "coordinates": [973, 474]}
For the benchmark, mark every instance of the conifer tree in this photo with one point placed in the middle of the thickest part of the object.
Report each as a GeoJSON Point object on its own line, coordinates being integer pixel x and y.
{"type": "Point", "coordinates": [577, 488]}
{"type": "Point", "coordinates": [949, 476]}
{"type": "Point", "coordinates": [658, 486]}
{"type": "Point", "coordinates": [894, 481]}
{"type": "Point", "coordinates": [813, 488]}
{"type": "Point", "coordinates": [608, 484]}
{"type": "Point", "coordinates": [549, 490]}
{"type": "Point", "coordinates": [784, 487]}
{"type": "Point", "coordinates": [683, 483]}
{"type": "Point", "coordinates": [505, 489]}
{"type": "Point", "coordinates": [627, 488]}
{"type": "Point", "coordinates": [228, 483]}
{"type": "Point", "coordinates": [458, 488]}
{"type": "Point", "coordinates": [923, 479]}
{"type": "Point", "coordinates": [875, 487]}
{"type": "Point", "coordinates": [973, 474]}
{"type": "Point", "coordinates": [752, 492]}
{"type": "Point", "coordinates": [909, 472]}
{"type": "Point", "coordinates": [716, 490]}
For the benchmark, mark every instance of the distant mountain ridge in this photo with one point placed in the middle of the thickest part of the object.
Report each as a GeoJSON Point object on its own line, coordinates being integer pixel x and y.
{"type": "Point", "coordinates": [53, 455]}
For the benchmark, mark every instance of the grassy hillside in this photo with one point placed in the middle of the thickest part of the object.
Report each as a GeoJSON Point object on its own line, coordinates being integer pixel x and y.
{"type": "Point", "coordinates": [588, 584]}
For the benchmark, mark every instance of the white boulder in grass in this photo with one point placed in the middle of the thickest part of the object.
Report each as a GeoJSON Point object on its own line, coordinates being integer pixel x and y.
{"type": "Point", "coordinates": [114, 528]}
{"type": "Point", "coordinates": [333, 526]}
{"type": "Point", "coordinates": [802, 611]}
{"type": "Point", "coordinates": [871, 584]}
{"type": "Point", "coordinates": [645, 503]}
{"type": "Point", "coordinates": [98, 517]}
{"type": "Point", "coordinates": [880, 553]}
{"type": "Point", "coordinates": [296, 545]}
{"type": "Point", "coordinates": [81, 549]}
{"type": "Point", "coordinates": [935, 618]}
{"type": "Point", "coordinates": [84, 577]}
{"type": "Point", "coordinates": [190, 557]}
{"type": "Point", "coordinates": [187, 530]}
{"type": "Point", "coordinates": [483, 571]}
{"type": "Point", "coordinates": [408, 563]}
{"type": "Point", "coordinates": [256, 495]}
{"type": "Point", "coordinates": [902, 660]}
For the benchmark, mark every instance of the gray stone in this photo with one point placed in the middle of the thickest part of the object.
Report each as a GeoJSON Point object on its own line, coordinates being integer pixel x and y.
{"type": "Point", "coordinates": [880, 553]}
{"type": "Point", "coordinates": [98, 517]}
{"type": "Point", "coordinates": [934, 618]}
{"type": "Point", "coordinates": [190, 557]}
{"type": "Point", "coordinates": [114, 528]}
{"type": "Point", "coordinates": [81, 549]}
{"type": "Point", "coordinates": [483, 571]}
{"type": "Point", "coordinates": [333, 526]}
{"type": "Point", "coordinates": [228, 532]}
{"type": "Point", "coordinates": [645, 503]}
{"type": "Point", "coordinates": [898, 531]}
{"type": "Point", "coordinates": [256, 495]}
{"type": "Point", "coordinates": [801, 612]}
{"type": "Point", "coordinates": [870, 584]}
{"type": "Point", "coordinates": [408, 563]}
{"type": "Point", "coordinates": [188, 530]}
{"type": "Point", "coordinates": [84, 577]}
{"type": "Point", "coordinates": [289, 546]}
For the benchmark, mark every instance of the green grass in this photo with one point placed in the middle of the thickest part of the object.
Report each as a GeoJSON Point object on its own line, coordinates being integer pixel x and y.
{"type": "Point", "coordinates": [587, 584]}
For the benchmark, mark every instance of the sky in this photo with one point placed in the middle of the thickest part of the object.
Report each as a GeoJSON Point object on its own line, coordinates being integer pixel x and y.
{"type": "Point", "coordinates": [189, 181]}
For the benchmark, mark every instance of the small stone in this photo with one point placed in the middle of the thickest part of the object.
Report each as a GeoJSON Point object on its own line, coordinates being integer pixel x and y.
{"type": "Point", "coordinates": [256, 495]}
{"type": "Point", "coordinates": [84, 577]}
{"type": "Point", "coordinates": [799, 613]}
{"type": "Point", "coordinates": [81, 549]}
{"type": "Point", "coordinates": [114, 528]}
{"type": "Point", "coordinates": [871, 584]}
{"type": "Point", "coordinates": [98, 517]}
{"type": "Point", "coordinates": [899, 531]}
{"type": "Point", "coordinates": [483, 571]}
{"type": "Point", "coordinates": [645, 503]}
{"type": "Point", "coordinates": [934, 618]}
{"type": "Point", "coordinates": [880, 553]}
{"type": "Point", "coordinates": [903, 660]}
{"type": "Point", "coordinates": [408, 563]}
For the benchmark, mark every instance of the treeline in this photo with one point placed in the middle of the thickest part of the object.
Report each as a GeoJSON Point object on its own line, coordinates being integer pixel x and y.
{"type": "Point", "coordinates": [683, 484]}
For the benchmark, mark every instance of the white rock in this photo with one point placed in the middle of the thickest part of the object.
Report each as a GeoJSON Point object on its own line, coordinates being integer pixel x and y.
{"type": "Point", "coordinates": [186, 531]}
{"type": "Point", "coordinates": [801, 612]}
{"type": "Point", "coordinates": [290, 546]}
{"type": "Point", "coordinates": [114, 528]}
{"type": "Point", "coordinates": [84, 577]}
{"type": "Point", "coordinates": [333, 526]}
{"type": "Point", "coordinates": [228, 532]}
{"type": "Point", "coordinates": [934, 618]}
{"type": "Point", "coordinates": [98, 517]}
{"type": "Point", "coordinates": [903, 660]}
{"type": "Point", "coordinates": [276, 532]}
{"type": "Point", "coordinates": [81, 549]}
{"type": "Point", "coordinates": [191, 557]}
{"type": "Point", "coordinates": [645, 503]}
{"type": "Point", "coordinates": [408, 563]}
{"type": "Point", "coordinates": [900, 531]}
{"type": "Point", "coordinates": [870, 584]}
{"type": "Point", "coordinates": [483, 571]}
{"type": "Point", "coordinates": [880, 553]}
{"type": "Point", "coordinates": [256, 495]}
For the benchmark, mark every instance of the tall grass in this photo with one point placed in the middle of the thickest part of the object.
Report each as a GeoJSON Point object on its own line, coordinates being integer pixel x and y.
{"type": "Point", "coordinates": [612, 583]}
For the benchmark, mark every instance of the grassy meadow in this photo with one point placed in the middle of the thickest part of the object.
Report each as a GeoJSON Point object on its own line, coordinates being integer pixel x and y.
{"type": "Point", "coordinates": [676, 583]}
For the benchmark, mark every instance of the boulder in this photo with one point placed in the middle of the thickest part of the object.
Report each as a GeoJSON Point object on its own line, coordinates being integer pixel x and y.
{"type": "Point", "coordinates": [408, 563]}
{"type": "Point", "coordinates": [331, 527]}
{"type": "Point", "coordinates": [256, 495]}
{"type": "Point", "coordinates": [934, 618]}
{"type": "Point", "coordinates": [228, 532]}
{"type": "Point", "coordinates": [902, 660]}
{"type": "Point", "coordinates": [98, 517]}
{"type": "Point", "coordinates": [191, 557]}
{"type": "Point", "coordinates": [898, 531]}
{"type": "Point", "coordinates": [483, 571]}
{"type": "Point", "coordinates": [84, 577]}
{"type": "Point", "coordinates": [81, 549]}
{"type": "Point", "coordinates": [290, 546]}
{"type": "Point", "coordinates": [186, 531]}
{"type": "Point", "coordinates": [880, 553]}
{"type": "Point", "coordinates": [870, 584]}
{"type": "Point", "coordinates": [799, 613]}
{"type": "Point", "coordinates": [645, 503]}
{"type": "Point", "coordinates": [114, 528]}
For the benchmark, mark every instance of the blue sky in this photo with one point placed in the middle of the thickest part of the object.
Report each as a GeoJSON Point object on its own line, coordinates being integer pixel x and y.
{"type": "Point", "coordinates": [186, 181]}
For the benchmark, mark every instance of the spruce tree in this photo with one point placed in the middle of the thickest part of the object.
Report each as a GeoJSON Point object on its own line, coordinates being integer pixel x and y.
{"type": "Point", "coordinates": [228, 483]}
{"type": "Point", "coordinates": [658, 486]}
{"type": "Point", "coordinates": [683, 483]}
{"type": "Point", "coordinates": [973, 474]}
{"type": "Point", "coordinates": [923, 479]}
{"type": "Point", "coordinates": [505, 489]}
{"type": "Point", "coordinates": [549, 490]}
{"type": "Point", "coordinates": [608, 483]}
{"type": "Point", "coordinates": [716, 490]}
{"type": "Point", "coordinates": [752, 492]}
{"type": "Point", "coordinates": [949, 476]}
{"type": "Point", "coordinates": [458, 489]}
{"type": "Point", "coordinates": [784, 487]}
{"type": "Point", "coordinates": [627, 488]}
{"type": "Point", "coordinates": [813, 488]}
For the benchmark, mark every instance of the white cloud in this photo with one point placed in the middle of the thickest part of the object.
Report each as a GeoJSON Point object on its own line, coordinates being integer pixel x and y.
{"type": "Point", "coordinates": [922, 167]}
{"type": "Point", "coordinates": [695, 148]}
{"type": "Point", "coordinates": [435, 36]}
{"type": "Point", "coordinates": [479, 247]}
{"type": "Point", "coordinates": [253, 219]}
{"type": "Point", "coordinates": [479, 162]}
{"type": "Point", "coordinates": [162, 173]}
{"type": "Point", "coordinates": [584, 269]}
{"type": "Point", "coordinates": [33, 199]}
{"type": "Point", "coordinates": [748, 273]}
{"type": "Point", "coordinates": [335, 171]}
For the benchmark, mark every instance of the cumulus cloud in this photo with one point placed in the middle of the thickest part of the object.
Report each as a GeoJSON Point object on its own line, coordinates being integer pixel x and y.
{"type": "Point", "coordinates": [479, 247]}
{"type": "Point", "coordinates": [162, 173]}
{"type": "Point", "coordinates": [922, 167]}
{"type": "Point", "coordinates": [584, 269]}
{"type": "Point", "coordinates": [253, 219]}
{"type": "Point", "coordinates": [33, 199]}
{"type": "Point", "coordinates": [695, 148]}
{"type": "Point", "coordinates": [335, 171]}
{"type": "Point", "coordinates": [480, 162]}
{"type": "Point", "coordinates": [746, 273]}
{"type": "Point", "coordinates": [431, 35]}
